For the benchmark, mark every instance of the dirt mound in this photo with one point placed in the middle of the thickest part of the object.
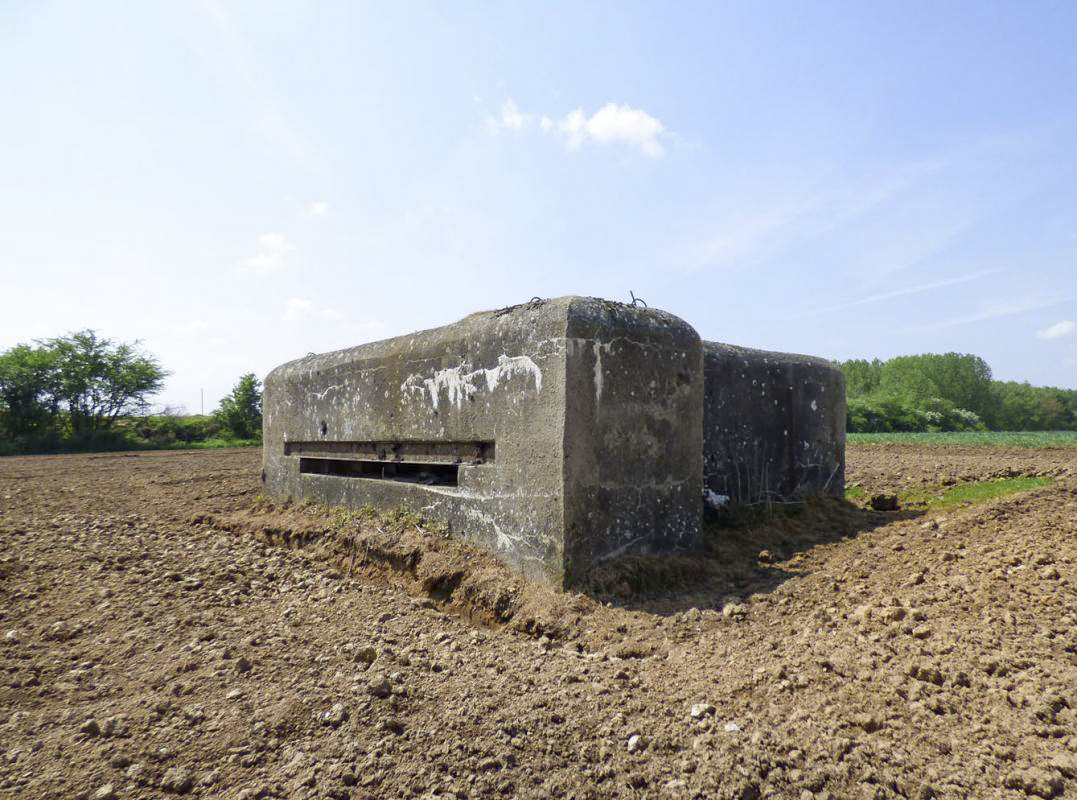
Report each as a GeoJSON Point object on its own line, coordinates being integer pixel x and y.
{"type": "Point", "coordinates": [278, 653]}
{"type": "Point", "coordinates": [401, 550]}
{"type": "Point", "coordinates": [738, 557]}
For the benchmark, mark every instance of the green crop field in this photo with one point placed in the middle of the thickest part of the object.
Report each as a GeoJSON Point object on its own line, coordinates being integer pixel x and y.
{"type": "Point", "coordinates": [1051, 439]}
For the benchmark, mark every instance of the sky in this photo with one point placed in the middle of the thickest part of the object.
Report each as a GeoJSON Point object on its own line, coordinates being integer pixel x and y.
{"type": "Point", "coordinates": [239, 184]}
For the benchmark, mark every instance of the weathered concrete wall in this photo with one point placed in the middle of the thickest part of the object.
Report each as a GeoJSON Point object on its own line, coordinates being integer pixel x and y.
{"type": "Point", "coordinates": [507, 427]}
{"type": "Point", "coordinates": [774, 425]}
{"type": "Point", "coordinates": [633, 433]}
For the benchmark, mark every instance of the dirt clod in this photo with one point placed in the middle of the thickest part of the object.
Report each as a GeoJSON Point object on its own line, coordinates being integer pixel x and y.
{"type": "Point", "coordinates": [884, 502]}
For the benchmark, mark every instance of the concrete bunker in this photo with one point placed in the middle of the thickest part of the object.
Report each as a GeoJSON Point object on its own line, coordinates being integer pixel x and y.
{"type": "Point", "coordinates": [774, 426]}
{"type": "Point", "coordinates": [555, 434]}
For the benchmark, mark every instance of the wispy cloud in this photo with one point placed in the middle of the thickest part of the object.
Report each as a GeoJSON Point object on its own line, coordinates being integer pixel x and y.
{"type": "Point", "coordinates": [1058, 330]}
{"type": "Point", "coordinates": [745, 236]}
{"type": "Point", "coordinates": [612, 124]}
{"type": "Point", "coordinates": [888, 217]}
{"type": "Point", "coordinates": [272, 250]}
{"type": "Point", "coordinates": [785, 216]}
{"type": "Point", "coordinates": [511, 119]}
{"type": "Point", "coordinates": [996, 310]}
{"type": "Point", "coordinates": [923, 287]}
{"type": "Point", "coordinates": [319, 208]}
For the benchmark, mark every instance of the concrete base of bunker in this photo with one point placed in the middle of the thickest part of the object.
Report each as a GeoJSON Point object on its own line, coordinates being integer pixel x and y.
{"type": "Point", "coordinates": [555, 434]}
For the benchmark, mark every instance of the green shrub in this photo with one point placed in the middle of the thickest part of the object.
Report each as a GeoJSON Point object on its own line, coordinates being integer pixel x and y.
{"type": "Point", "coordinates": [240, 412]}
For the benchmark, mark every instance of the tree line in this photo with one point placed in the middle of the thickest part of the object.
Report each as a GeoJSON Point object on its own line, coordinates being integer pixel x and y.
{"type": "Point", "coordinates": [948, 392]}
{"type": "Point", "coordinates": [86, 392]}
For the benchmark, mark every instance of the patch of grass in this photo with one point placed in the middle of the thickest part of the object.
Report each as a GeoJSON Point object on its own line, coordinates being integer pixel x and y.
{"type": "Point", "coordinates": [1038, 439]}
{"type": "Point", "coordinates": [854, 492]}
{"type": "Point", "coordinates": [402, 517]}
{"type": "Point", "coordinates": [949, 497]}
{"type": "Point", "coordinates": [210, 444]}
{"type": "Point", "coordinates": [349, 518]}
{"type": "Point", "coordinates": [398, 519]}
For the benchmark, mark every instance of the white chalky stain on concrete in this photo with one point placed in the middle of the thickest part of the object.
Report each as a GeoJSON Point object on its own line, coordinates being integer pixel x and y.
{"type": "Point", "coordinates": [598, 372]}
{"type": "Point", "coordinates": [505, 541]}
{"type": "Point", "coordinates": [461, 385]}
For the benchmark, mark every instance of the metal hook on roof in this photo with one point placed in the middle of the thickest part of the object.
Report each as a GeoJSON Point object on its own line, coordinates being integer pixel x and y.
{"type": "Point", "coordinates": [532, 304]}
{"type": "Point", "coordinates": [636, 301]}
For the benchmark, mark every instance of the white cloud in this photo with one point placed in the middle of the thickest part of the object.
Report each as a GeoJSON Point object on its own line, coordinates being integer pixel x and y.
{"type": "Point", "coordinates": [611, 124]}
{"type": "Point", "coordinates": [511, 119]}
{"type": "Point", "coordinates": [273, 247]}
{"type": "Point", "coordinates": [1057, 330]}
{"type": "Point", "coordinates": [319, 209]}
{"type": "Point", "coordinates": [573, 128]}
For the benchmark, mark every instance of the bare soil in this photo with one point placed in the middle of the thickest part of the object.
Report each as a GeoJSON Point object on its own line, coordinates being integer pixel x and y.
{"type": "Point", "coordinates": [164, 632]}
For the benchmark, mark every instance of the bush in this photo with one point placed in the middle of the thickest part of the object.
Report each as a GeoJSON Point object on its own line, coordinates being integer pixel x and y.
{"type": "Point", "coordinates": [166, 430]}
{"type": "Point", "coordinates": [241, 411]}
{"type": "Point", "coordinates": [883, 415]}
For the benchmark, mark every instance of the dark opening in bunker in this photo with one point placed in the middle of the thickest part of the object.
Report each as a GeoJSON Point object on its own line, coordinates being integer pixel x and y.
{"type": "Point", "coordinates": [430, 474]}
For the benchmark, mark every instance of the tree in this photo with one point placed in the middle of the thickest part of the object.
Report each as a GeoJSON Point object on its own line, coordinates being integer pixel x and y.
{"type": "Point", "coordinates": [76, 384]}
{"type": "Point", "coordinates": [1054, 410]}
{"type": "Point", "coordinates": [962, 380]}
{"type": "Point", "coordinates": [28, 400]}
{"type": "Point", "coordinates": [861, 376]}
{"type": "Point", "coordinates": [1019, 407]}
{"type": "Point", "coordinates": [949, 392]}
{"type": "Point", "coordinates": [98, 380]}
{"type": "Point", "coordinates": [241, 411]}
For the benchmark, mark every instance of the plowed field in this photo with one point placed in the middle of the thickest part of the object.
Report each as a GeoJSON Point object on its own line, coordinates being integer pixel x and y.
{"type": "Point", "coordinates": [164, 632]}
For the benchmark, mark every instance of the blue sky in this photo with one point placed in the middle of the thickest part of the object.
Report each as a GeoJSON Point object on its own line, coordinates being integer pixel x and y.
{"type": "Point", "coordinates": [238, 184]}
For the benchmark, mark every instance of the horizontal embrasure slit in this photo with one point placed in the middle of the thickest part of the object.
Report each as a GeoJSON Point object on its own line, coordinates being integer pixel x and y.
{"type": "Point", "coordinates": [428, 474]}
{"type": "Point", "coordinates": [414, 452]}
